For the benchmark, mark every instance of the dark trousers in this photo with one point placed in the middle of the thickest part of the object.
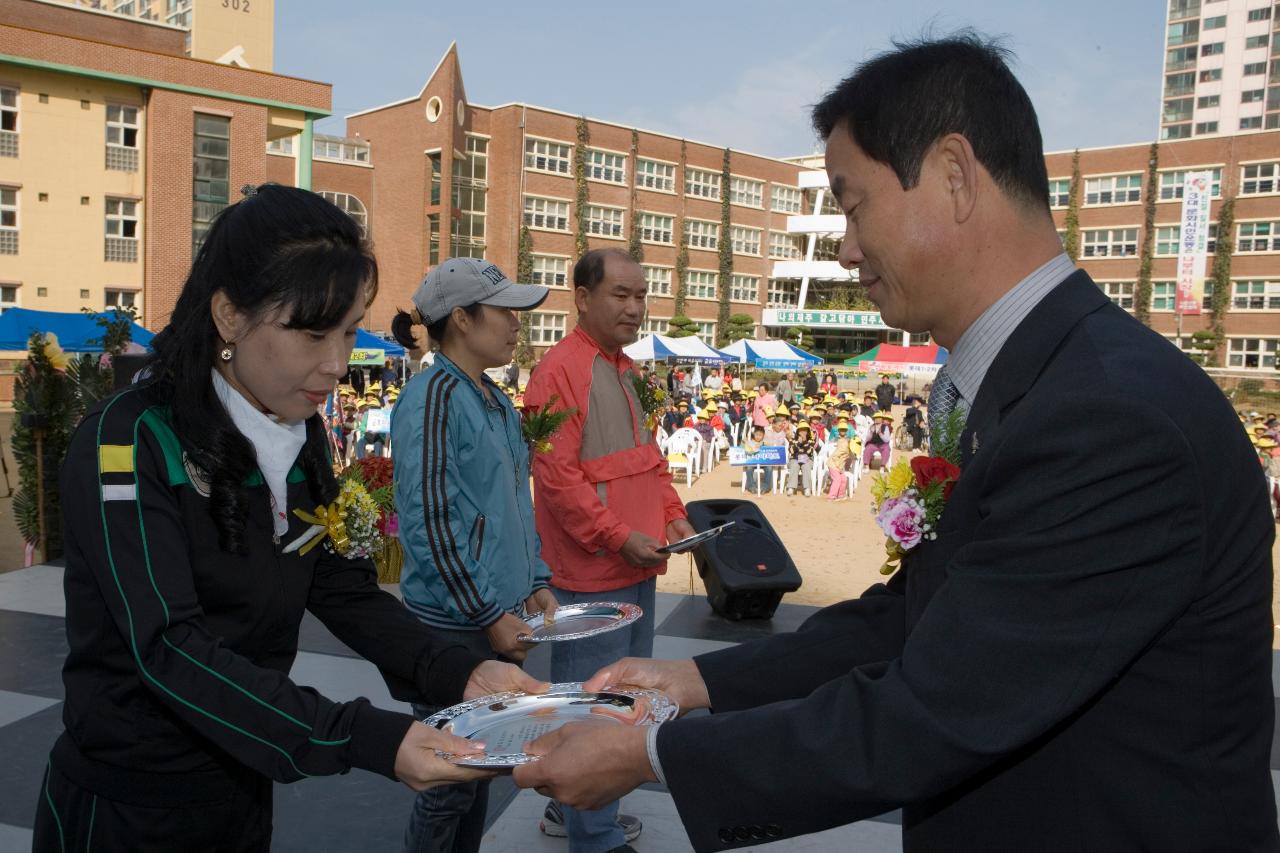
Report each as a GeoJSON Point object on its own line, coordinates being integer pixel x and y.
{"type": "Point", "coordinates": [69, 817]}
{"type": "Point", "coordinates": [450, 818]}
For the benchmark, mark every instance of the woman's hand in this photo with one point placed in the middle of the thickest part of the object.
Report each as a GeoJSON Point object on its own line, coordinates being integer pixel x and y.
{"type": "Point", "coordinates": [420, 765]}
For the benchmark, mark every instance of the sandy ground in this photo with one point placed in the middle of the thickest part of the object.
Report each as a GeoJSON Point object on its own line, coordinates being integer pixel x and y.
{"type": "Point", "coordinates": [837, 546]}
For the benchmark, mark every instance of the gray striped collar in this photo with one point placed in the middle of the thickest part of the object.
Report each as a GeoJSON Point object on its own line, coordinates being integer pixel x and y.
{"type": "Point", "coordinates": [978, 347]}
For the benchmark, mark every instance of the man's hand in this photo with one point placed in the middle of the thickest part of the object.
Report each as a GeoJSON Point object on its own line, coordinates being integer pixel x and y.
{"type": "Point", "coordinates": [419, 767]}
{"type": "Point", "coordinates": [502, 637]}
{"type": "Point", "coordinates": [542, 601]}
{"type": "Point", "coordinates": [641, 551]}
{"type": "Point", "coordinates": [494, 676]}
{"type": "Point", "coordinates": [679, 529]}
{"type": "Point", "coordinates": [586, 765]}
{"type": "Point", "coordinates": [679, 679]}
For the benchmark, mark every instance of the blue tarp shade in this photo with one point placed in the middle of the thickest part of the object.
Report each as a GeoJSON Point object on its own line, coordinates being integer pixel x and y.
{"type": "Point", "coordinates": [368, 340]}
{"type": "Point", "coordinates": [76, 332]}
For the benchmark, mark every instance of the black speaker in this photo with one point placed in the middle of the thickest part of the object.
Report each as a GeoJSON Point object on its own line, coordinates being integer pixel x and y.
{"type": "Point", "coordinates": [745, 569]}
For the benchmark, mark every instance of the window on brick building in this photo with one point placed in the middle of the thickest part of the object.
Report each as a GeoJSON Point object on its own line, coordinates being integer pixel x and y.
{"type": "Point", "coordinates": [1258, 237]}
{"type": "Point", "coordinates": [1113, 189]}
{"type": "Point", "coordinates": [550, 271]}
{"type": "Point", "coordinates": [351, 206]}
{"type": "Point", "coordinates": [8, 121]}
{"type": "Point", "coordinates": [546, 328]}
{"type": "Point", "coordinates": [746, 241]}
{"type": "Point", "coordinates": [544, 155]}
{"type": "Point", "coordinates": [121, 230]}
{"type": "Point", "coordinates": [702, 183]}
{"type": "Point", "coordinates": [655, 175]}
{"type": "Point", "coordinates": [122, 138]}
{"type": "Point", "coordinates": [549, 214]}
{"type": "Point", "coordinates": [659, 281]}
{"type": "Point", "coordinates": [656, 228]}
{"type": "Point", "coordinates": [211, 174]}
{"type": "Point", "coordinates": [1172, 183]}
{"type": "Point", "coordinates": [785, 246]}
{"type": "Point", "coordinates": [1110, 243]}
{"type": "Point", "coordinates": [744, 288]}
{"type": "Point", "coordinates": [1059, 193]}
{"type": "Point", "coordinates": [701, 234]}
{"type": "Point", "coordinates": [746, 192]}
{"type": "Point", "coordinates": [786, 199]}
{"type": "Point", "coordinates": [113, 298]}
{"type": "Point", "coordinates": [701, 284]}
{"type": "Point", "coordinates": [606, 166]}
{"type": "Point", "coordinates": [605, 221]}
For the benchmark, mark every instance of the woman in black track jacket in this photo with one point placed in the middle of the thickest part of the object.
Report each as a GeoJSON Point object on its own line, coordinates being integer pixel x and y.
{"type": "Point", "coordinates": [185, 587]}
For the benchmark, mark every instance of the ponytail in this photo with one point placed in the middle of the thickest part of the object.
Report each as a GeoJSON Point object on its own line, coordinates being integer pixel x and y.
{"type": "Point", "coordinates": [402, 328]}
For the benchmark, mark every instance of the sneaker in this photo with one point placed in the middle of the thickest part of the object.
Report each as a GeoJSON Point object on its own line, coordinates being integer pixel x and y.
{"type": "Point", "coordinates": [552, 824]}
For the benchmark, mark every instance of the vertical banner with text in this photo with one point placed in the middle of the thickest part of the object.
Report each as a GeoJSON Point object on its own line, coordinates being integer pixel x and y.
{"type": "Point", "coordinates": [1193, 242]}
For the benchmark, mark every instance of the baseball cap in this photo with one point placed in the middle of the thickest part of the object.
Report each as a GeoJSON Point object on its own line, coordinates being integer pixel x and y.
{"type": "Point", "coordinates": [459, 282]}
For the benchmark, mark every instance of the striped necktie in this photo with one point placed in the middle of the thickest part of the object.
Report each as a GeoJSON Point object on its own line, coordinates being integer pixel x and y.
{"type": "Point", "coordinates": [942, 400]}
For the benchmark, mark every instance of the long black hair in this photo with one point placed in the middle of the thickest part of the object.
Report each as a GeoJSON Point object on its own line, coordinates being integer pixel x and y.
{"type": "Point", "coordinates": [281, 247]}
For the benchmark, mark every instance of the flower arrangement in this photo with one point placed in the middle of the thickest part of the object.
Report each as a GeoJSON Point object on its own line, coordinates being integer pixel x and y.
{"type": "Point", "coordinates": [908, 498]}
{"type": "Point", "coordinates": [348, 527]}
{"type": "Point", "coordinates": [377, 475]}
{"type": "Point", "coordinates": [651, 399]}
{"type": "Point", "coordinates": [539, 425]}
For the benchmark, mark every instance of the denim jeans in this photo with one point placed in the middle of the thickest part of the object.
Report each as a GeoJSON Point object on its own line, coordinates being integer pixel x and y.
{"type": "Point", "coordinates": [577, 660]}
{"type": "Point", "coordinates": [449, 818]}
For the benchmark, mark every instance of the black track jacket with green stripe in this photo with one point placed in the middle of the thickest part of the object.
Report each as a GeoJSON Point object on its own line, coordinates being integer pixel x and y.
{"type": "Point", "coordinates": [180, 652]}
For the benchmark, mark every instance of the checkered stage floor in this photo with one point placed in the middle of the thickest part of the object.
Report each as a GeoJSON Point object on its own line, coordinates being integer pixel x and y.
{"type": "Point", "coordinates": [374, 811]}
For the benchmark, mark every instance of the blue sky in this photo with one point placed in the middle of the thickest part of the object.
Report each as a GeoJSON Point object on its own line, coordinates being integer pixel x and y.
{"type": "Point", "coordinates": [740, 74]}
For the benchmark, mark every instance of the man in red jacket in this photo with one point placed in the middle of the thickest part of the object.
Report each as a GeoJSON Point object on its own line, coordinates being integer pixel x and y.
{"type": "Point", "coordinates": [603, 499]}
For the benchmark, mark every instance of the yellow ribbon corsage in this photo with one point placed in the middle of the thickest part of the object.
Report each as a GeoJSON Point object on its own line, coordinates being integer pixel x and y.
{"type": "Point", "coordinates": [326, 521]}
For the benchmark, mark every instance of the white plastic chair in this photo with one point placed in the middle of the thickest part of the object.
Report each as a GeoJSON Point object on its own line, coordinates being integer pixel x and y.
{"type": "Point", "coordinates": [818, 476]}
{"type": "Point", "coordinates": [687, 442]}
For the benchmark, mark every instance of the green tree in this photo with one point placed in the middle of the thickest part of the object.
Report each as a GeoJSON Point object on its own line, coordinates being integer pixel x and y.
{"type": "Point", "coordinates": [798, 336]}
{"type": "Point", "coordinates": [1142, 291]}
{"type": "Point", "coordinates": [1221, 277]}
{"type": "Point", "coordinates": [682, 252]}
{"type": "Point", "coordinates": [635, 248]}
{"type": "Point", "coordinates": [581, 197]}
{"type": "Point", "coordinates": [740, 326]}
{"type": "Point", "coordinates": [726, 255]}
{"type": "Point", "coordinates": [524, 274]}
{"type": "Point", "coordinates": [1071, 240]}
{"type": "Point", "coordinates": [681, 326]}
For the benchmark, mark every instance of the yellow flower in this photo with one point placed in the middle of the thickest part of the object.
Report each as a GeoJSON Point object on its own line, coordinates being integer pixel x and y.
{"type": "Point", "coordinates": [52, 351]}
{"type": "Point", "coordinates": [544, 446]}
{"type": "Point", "coordinates": [659, 395]}
{"type": "Point", "coordinates": [899, 478]}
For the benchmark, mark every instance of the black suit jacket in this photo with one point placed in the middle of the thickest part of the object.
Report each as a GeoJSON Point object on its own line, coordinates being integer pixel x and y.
{"type": "Point", "coordinates": [1081, 661]}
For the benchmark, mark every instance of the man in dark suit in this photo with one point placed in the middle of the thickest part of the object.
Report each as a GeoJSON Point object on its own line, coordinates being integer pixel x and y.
{"type": "Point", "coordinates": [1080, 661]}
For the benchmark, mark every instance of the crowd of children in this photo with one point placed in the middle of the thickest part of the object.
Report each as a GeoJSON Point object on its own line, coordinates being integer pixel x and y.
{"type": "Point", "coordinates": [768, 416]}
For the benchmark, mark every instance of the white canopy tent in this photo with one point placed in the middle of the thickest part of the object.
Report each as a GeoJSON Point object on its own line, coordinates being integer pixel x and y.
{"type": "Point", "coordinates": [688, 350]}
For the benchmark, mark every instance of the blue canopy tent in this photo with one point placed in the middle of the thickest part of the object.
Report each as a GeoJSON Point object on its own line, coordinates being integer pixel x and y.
{"type": "Point", "coordinates": [771, 355]}
{"type": "Point", "coordinates": [75, 332]}
{"type": "Point", "coordinates": [371, 349]}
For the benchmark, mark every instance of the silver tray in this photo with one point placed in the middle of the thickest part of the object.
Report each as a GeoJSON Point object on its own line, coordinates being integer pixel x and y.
{"type": "Point", "coordinates": [576, 621]}
{"type": "Point", "coordinates": [507, 721]}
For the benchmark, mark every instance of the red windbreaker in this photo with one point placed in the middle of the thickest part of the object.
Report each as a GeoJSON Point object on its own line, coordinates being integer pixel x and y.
{"type": "Point", "coordinates": [604, 475]}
